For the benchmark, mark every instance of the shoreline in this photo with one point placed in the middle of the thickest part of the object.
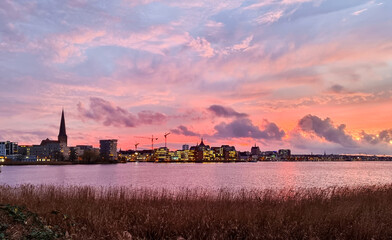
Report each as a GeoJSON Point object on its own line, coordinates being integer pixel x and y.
{"type": "Point", "coordinates": [51, 163]}
{"type": "Point", "coordinates": [166, 162]}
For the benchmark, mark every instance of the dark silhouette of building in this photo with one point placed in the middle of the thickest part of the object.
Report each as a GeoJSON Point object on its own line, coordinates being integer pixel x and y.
{"type": "Point", "coordinates": [285, 154]}
{"type": "Point", "coordinates": [62, 138]}
{"type": "Point", "coordinates": [8, 148]}
{"type": "Point", "coordinates": [185, 147]}
{"type": "Point", "coordinates": [203, 152]}
{"type": "Point", "coordinates": [229, 153]}
{"type": "Point", "coordinates": [255, 153]}
{"type": "Point", "coordinates": [53, 149]}
{"type": "Point", "coordinates": [108, 149]}
{"type": "Point", "coordinates": [255, 150]}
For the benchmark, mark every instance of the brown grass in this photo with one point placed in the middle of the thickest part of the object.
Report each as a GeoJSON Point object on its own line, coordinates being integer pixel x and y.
{"type": "Point", "coordinates": [119, 213]}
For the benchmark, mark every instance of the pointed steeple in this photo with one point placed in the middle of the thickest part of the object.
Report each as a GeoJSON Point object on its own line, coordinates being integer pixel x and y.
{"type": "Point", "coordinates": [202, 143]}
{"type": "Point", "coordinates": [62, 133]}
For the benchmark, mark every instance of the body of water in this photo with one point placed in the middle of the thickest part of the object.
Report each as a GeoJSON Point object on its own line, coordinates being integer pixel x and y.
{"type": "Point", "coordinates": [260, 175]}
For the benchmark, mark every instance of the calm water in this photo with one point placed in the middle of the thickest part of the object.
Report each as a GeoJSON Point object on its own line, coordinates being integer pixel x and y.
{"type": "Point", "coordinates": [210, 176]}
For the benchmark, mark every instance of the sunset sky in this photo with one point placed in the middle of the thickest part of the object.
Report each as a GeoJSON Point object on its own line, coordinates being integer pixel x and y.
{"type": "Point", "coordinates": [312, 76]}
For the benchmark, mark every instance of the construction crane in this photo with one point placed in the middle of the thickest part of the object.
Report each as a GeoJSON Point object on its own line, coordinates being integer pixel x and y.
{"type": "Point", "coordinates": [136, 144]}
{"type": "Point", "coordinates": [166, 134]}
{"type": "Point", "coordinates": [152, 140]}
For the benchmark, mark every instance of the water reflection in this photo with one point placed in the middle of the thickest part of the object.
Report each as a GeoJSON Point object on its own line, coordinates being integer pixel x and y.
{"type": "Point", "coordinates": [259, 175]}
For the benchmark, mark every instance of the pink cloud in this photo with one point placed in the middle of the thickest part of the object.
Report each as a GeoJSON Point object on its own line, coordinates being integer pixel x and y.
{"type": "Point", "coordinates": [202, 46]}
{"type": "Point", "coordinates": [270, 17]}
{"type": "Point", "coordinates": [359, 12]}
{"type": "Point", "coordinates": [103, 111]}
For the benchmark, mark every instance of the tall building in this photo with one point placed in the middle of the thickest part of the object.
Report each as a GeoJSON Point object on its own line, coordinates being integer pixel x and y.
{"type": "Point", "coordinates": [255, 150]}
{"type": "Point", "coordinates": [62, 138]}
{"type": "Point", "coordinates": [108, 149]}
{"type": "Point", "coordinates": [185, 147]}
{"type": "Point", "coordinates": [8, 148]}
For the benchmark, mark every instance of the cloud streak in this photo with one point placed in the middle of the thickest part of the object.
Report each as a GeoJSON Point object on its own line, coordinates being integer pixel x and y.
{"type": "Point", "coordinates": [183, 130]}
{"type": "Point", "coordinates": [356, 13]}
{"type": "Point", "coordinates": [221, 111]}
{"type": "Point", "coordinates": [103, 111]}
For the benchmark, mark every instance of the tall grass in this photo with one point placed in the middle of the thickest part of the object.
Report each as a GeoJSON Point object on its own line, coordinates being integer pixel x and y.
{"type": "Point", "coordinates": [119, 213]}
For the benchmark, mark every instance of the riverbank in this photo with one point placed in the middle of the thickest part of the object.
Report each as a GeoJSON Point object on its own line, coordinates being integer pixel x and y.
{"type": "Point", "coordinates": [122, 213]}
{"type": "Point", "coordinates": [15, 163]}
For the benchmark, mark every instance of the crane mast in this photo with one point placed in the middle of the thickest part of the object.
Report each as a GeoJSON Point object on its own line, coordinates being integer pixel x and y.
{"type": "Point", "coordinates": [166, 134]}
{"type": "Point", "coordinates": [152, 140]}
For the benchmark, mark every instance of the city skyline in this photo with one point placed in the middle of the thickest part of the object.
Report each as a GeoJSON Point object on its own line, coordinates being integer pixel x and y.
{"type": "Point", "coordinates": [311, 76]}
{"type": "Point", "coordinates": [49, 147]}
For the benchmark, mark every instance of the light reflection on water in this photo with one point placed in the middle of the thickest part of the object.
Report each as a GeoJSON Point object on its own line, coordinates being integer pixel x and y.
{"type": "Point", "coordinates": [260, 175]}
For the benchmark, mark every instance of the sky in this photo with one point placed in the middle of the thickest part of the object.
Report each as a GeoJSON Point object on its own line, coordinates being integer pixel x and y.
{"type": "Point", "coordinates": [309, 75]}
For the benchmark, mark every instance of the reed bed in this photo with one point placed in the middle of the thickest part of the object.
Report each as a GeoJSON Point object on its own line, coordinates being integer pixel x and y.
{"type": "Point", "coordinates": [83, 212]}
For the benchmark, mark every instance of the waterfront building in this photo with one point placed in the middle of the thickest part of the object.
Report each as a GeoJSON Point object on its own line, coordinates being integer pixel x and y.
{"type": "Point", "coordinates": [229, 153]}
{"type": "Point", "coordinates": [269, 155]}
{"type": "Point", "coordinates": [218, 153]}
{"type": "Point", "coordinates": [137, 156]}
{"type": "Point", "coordinates": [37, 150]}
{"type": "Point", "coordinates": [53, 149]}
{"type": "Point", "coordinates": [245, 156]}
{"type": "Point", "coordinates": [192, 153]}
{"type": "Point", "coordinates": [81, 149]}
{"type": "Point", "coordinates": [185, 147]}
{"type": "Point", "coordinates": [225, 153]}
{"type": "Point", "coordinates": [161, 154]}
{"type": "Point", "coordinates": [24, 154]}
{"type": "Point", "coordinates": [183, 155]}
{"type": "Point", "coordinates": [128, 155]}
{"type": "Point", "coordinates": [8, 148]}
{"type": "Point", "coordinates": [144, 155]}
{"type": "Point", "coordinates": [24, 150]}
{"type": "Point", "coordinates": [284, 154]}
{"type": "Point", "coordinates": [174, 155]}
{"type": "Point", "coordinates": [255, 150]}
{"type": "Point", "coordinates": [108, 149]}
{"type": "Point", "coordinates": [255, 153]}
{"type": "Point", "coordinates": [50, 149]}
{"type": "Point", "coordinates": [203, 152]}
{"type": "Point", "coordinates": [62, 137]}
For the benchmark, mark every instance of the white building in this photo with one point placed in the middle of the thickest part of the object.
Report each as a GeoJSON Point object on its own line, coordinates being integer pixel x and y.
{"type": "Point", "coordinates": [8, 148]}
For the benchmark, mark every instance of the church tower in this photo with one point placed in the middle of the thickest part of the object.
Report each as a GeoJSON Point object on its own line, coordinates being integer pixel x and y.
{"type": "Point", "coordinates": [62, 138]}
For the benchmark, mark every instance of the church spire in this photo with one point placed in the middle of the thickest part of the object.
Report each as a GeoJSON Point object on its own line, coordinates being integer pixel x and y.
{"type": "Point", "coordinates": [62, 133]}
